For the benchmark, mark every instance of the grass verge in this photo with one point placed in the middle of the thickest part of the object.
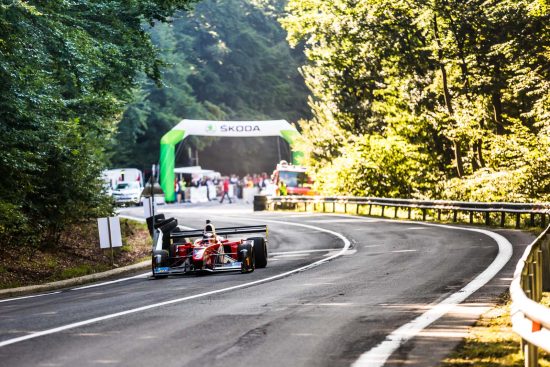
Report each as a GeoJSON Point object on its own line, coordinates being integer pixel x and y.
{"type": "Point", "coordinates": [492, 343]}
{"type": "Point", "coordinates": [78, 254]}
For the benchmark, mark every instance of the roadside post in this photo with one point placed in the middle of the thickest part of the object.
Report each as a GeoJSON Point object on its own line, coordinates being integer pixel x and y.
{"type": "Point", "coordinates": [151, 194]}
{"type": "Point", "coordinates": [109, 234]}
{"type": "Point", "coordinates": [153, 191]}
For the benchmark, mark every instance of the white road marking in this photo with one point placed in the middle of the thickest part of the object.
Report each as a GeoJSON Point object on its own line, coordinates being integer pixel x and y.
{"type": "Point", "coordinates": [303, 251]}
{"type": "Point", "coordinates": [25, 297]}
{"type": "Point", "coordinates": [342, 220]}
{"type": "Point", "coordinates": [397, 251]}
{"type": "Point", "coordinates": [303, 215]}
{"type": "Point", "coordinates": [377, 356]}
{"type": "Point", "coordinates": [144, 275]}
{"type": "Point", "coordinates": [347, 244]}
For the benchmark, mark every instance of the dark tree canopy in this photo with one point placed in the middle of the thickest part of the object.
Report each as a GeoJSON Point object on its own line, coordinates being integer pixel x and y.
{"type": "Point", "coordinates": [225, 60]}
{"type": "Point", "coordinates": [67, 69]}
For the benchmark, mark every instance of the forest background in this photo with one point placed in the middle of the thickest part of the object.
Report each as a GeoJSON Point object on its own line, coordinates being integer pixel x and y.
{"type": "Point", "coordinates": [440, 99]}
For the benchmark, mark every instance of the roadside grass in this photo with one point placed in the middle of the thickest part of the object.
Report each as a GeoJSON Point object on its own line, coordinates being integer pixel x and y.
{"type": "Point", "coordinates": [492, 343]}
{"type": "Point", "coordinates": [80, 270]}
{"type": "Point", "coordinates": [78, 254]}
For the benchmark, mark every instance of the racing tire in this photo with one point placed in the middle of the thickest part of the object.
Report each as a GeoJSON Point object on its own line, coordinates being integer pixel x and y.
{"type": "Point", "coordinates": [163, 262]}
{"type": "Point", "coordinates": [246, 257]}
{"type": "Point", "coordinates": [260, 251]}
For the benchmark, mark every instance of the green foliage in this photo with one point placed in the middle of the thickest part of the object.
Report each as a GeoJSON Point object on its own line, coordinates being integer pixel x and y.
{"type": "Point", "coordinates": [378, 166]}
{"type": "Point", "coordinates": [225, 60]}
{"type": "Point", "coordinates": [66, 71]}
{"type": "Point", "coordinates": [466, 83]}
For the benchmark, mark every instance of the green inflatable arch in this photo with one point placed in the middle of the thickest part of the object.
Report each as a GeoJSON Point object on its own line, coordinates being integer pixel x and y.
{"type": "Point", "coordinates": [216, 128]}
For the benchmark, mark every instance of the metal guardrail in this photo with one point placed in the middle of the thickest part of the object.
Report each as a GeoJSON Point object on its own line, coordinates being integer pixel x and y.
{"type": "Point", "coordinates": [540, 210]}
{"type": "Point", "coordinates": [530, 319]}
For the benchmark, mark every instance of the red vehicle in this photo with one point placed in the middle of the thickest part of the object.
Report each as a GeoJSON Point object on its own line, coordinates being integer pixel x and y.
{"type": "Point", "coordinates": [174, 251]}
{"type": "Point", "coordinates": [296, 180]}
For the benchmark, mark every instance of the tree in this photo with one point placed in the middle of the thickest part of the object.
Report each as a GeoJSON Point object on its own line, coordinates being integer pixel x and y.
{"type": "Point", "coordinates": [225, 60]}
{"type": "Point", "coordinates": [463, 82]}
{"type": "Point", "coordinates": [66, 71]}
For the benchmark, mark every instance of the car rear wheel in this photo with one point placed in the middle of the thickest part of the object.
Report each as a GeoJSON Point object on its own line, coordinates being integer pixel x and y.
{"type": "Point", "coordinates": [246, 257]}
{"type": "Point", "coordinates": [260, 251]}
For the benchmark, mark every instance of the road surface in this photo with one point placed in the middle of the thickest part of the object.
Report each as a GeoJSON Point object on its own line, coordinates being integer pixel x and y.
{"type": "Point", "coordinates": [381, 275]}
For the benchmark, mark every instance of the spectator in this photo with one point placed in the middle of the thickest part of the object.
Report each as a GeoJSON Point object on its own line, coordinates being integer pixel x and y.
{"type": "Point", "coordinates": [182, 186]}
{"type": "Point", "coordinates": [282, 188]}
{"type": "Point", "coordinates": [263, 181]}
{"type": "Point", "coordinates": [226, 191]}
{"type": "Point", "coordinates": [177, 190]}
{"type": "Point", "coordinates": [209, 184]}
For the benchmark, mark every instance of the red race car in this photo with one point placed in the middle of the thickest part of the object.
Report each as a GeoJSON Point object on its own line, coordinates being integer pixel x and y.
{"type": "Point", "coordinates": [177, 251]}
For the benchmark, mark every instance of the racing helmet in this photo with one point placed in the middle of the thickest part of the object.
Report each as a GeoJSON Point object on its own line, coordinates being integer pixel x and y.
{"type": "Point", "coordinates": [209, 231]}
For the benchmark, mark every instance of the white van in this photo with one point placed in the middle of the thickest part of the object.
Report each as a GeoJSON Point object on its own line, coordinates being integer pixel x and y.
{"type": "Point", "coordinates": [124, 185]}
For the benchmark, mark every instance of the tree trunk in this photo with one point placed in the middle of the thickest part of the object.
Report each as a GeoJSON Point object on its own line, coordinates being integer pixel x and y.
{"type": "Point", "coordinates": [458, 158]}
{"type": "Point", "coordinates": [447, 97]}
{"type": "Point", "coordinates": [480, 153]}
{"type": "Point", "coordinates": [475, 162]}
{"type": "Point", "coordinates": [497, 112]}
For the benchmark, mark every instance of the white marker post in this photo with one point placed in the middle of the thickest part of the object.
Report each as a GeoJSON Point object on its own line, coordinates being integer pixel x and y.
{"type": "Point", "coordinates": [109, 234]}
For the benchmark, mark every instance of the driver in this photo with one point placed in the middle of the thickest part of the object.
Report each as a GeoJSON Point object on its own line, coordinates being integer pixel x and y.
{"type": "Point", "coordinates": [209, 231]}
{"type": "Point", "coordinates": [209, 234]}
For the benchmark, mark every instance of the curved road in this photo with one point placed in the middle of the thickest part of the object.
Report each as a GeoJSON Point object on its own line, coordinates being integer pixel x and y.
{"type": "Point", "coordinates": [327, 315]}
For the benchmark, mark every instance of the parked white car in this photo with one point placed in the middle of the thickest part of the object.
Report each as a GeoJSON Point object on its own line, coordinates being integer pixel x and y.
{"type": "Point", "coordinates": [127, 193]}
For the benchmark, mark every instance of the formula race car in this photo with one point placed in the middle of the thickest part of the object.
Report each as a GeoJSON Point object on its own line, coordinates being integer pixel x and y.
{"type": "Point", "coordinates": [177, 251]}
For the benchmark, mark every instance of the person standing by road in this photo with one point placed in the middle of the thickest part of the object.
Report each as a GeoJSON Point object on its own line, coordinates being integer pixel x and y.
{"type": "Point", "coordinates": [282, 188]}
{"type": "Point", "coordinates": [182, 187]}
{"type": "Point", "coordinates": [226, 191]}
{"type": "Point", "coordinates": [177, 190]}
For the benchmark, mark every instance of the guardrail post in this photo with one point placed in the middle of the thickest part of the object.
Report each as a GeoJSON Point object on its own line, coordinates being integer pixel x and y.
{"type": "Point", "coordinates": [545, 253]}
{"type": "Point", "coordinates": [409, 212]}
{"type": "Point", "coordinates": [423, 214]}
{"type": "Point", "coordinates": [502, 219]}
{"type": "Point", "coordinates": [538, 274]}
{"type": "Point", "coordinates": [334, 206]}
{"type": "Point", "coordinates": [346, 207]}
{"type": "Point", "coordinates": [395, 212]}
{"type": "Point", "coordinates": [357, 208]}
{"type": "Point", "coordinates": [370, 208]}
{"type": "Point", "coordinates": [305, 206]}
{"type": "Point", "coordinates": [543, 220]}
{"type": "Point", "coordinates": [532, 220]}
{"type": "Point", "coordinates": [455, 215]}
{"type": "Point", "coordinates": [383, 207]}
{"type": "Point", "coordinates": [488, 218]}
{"type": "Point", "coordinates": [439, 215]}
{"type": "Point", "coordinates": [530, 354]}
{"type": "Point", "coordinates": [518, 219]}
{"type": "Point", "coordinates": [532, 282]}
{"type": "Point", "coordinates": [323, 206]}
{"type": "Point", "coordinates": [471, 217]}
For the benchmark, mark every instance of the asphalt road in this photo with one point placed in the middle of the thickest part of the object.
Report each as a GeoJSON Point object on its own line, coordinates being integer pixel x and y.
{"type": "Point", "coordinates": [326, 315]}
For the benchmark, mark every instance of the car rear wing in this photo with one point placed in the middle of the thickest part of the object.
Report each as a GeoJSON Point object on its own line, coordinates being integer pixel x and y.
{"type": "Point", "coordinates": [164, 230]}
{"type": "Point", "coordinates": [225, 231]}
